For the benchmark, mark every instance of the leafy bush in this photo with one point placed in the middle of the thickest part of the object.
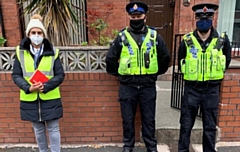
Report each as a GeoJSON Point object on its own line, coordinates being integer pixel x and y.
{"type": "Point", "coordinates": [97, 23]}
{"type": "Point", "coordinates": [2, 40]}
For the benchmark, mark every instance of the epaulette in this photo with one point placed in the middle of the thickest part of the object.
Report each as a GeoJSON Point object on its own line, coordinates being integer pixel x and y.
{"type": "Point", "coordinates": [220, 41]}
{"type": "Point", "coordinates": [123, 38]}
{"type": "Point", "coordinates": [187, 38]}
{"type": "Point", "coordinates": [122, 30]}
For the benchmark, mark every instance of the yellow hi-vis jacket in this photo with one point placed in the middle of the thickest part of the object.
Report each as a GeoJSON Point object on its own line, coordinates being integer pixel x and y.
{"type": "Point", "coordinates": [135, 61]}
{"type": "Point", "coordinates": [202, 65]}
{"type": "Point", "coordinates": [45, 66]}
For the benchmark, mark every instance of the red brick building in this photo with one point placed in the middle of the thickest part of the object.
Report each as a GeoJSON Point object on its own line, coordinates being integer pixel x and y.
{"type": "Point", "coordinates": [101, 88]}
{"type": "Point", "coordinates": [183, 17]}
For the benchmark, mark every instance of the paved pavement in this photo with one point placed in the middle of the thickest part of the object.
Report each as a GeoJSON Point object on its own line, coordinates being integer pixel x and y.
{"type": "Point", "coordinates": [221, 147]}
{"type": "Point", "coordinates": [167, 117]}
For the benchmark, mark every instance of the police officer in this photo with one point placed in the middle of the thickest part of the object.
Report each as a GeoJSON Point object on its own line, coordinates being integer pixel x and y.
{"type": "Point", "coordinates": [203, 57]}
{"type": "Point", "coordinates": [137, 56]}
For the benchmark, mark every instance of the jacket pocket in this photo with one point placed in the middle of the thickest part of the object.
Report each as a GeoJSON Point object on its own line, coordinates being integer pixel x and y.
{"type": "Point", "coordinates": [183, 66]}
{"type": "Point", "coordinates": [125, 66]}
{"type": "Point", "coordinates": [221, 63]}
{"type": "Point", "coordinates": [192, 65]}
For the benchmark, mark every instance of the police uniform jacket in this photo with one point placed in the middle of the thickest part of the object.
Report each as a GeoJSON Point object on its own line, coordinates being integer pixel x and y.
{"type": "Point", "coordinates": [226, 51]}
{"type": "Point", "coordinates": [137, 80]}
{"type": "Point", "coordinates": [50, 109]}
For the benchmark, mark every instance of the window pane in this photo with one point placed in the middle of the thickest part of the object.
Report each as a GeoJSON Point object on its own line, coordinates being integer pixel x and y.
{"type": "Point", "coordinates": [237, 5]}
{"type": "Point", "coordinates": [236, 33]}
{"type": "Point", "coordinates": [236, 25]}
{"type": "Point", "coordinates": [226, 15]}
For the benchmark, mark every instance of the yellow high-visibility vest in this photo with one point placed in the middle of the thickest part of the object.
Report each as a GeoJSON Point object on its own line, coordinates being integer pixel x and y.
{"type": "Point", "coordinates": [202, 66]}
{"type": "Point", "coordinates": [135, 61]}
{"type": "Point", "coordinates": [45, 66]}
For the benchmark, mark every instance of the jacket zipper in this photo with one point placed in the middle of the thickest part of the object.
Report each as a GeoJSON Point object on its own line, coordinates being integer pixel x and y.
{"type": "Point", "coordinates": [203, 65]}
{"type": "Point", "coordinates": [140, 58]}
{"type": "Point", "coordinates": [138, 64]}
{"type": "Point", "coordinates": [39, 109]}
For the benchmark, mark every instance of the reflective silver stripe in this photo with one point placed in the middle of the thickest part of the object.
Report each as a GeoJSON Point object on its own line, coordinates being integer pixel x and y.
{"type": "Point", "coordinates": [49, 73]}
{"type": "Point", "coordinates": [21, 56]}
{"type": "Point", "coordinates": [29, 74]}
{"type": "Point", "coordinates": [53, 59]}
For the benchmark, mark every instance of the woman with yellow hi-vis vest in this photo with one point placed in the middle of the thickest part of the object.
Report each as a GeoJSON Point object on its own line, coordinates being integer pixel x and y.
{"type": "Point", "coordinates": [40, 102]}
{"type": "Point", "coordinates": [203, 57]}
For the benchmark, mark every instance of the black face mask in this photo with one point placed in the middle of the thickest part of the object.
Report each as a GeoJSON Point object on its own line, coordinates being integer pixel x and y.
{"type": "Point", "coordinates": [137, 25]}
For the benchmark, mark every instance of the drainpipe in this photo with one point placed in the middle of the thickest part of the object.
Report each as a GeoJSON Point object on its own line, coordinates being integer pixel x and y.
{"type": "Point", "coordinates": [21, 21]}
{"type": "Point", "coordinates": [2, 26]}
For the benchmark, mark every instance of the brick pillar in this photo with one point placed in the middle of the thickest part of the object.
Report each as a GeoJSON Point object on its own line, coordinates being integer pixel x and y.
{"type": "Point", "coordinates": [11, 22]}
{"type": "Point", "coordinates": [229, 107]}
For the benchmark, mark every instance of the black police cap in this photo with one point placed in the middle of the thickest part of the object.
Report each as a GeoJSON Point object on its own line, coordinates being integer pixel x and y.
{"type": "Point", "coordinates": [136, 8]}
{"type": "Point", "coordinates": [206, 9]}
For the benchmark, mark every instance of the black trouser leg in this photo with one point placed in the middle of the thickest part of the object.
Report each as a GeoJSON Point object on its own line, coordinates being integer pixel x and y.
{"type": "Point", "coordinates": [209, 117]}
{"type": "Point", "coordinates": [147, 103]}
{"type": "Point", "coordinates": [128, 99]}
{"type": "Point", "coordinates": [189, 111]}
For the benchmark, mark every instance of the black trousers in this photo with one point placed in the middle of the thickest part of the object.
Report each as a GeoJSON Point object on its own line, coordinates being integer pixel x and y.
{"type": "Point", "coordinates": [129, 97]}
{"type": "Point", "coordinates": [208, 99]}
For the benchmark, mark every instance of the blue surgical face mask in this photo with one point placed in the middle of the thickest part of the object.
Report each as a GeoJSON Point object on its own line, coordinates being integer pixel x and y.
{"type": "Point", "coordinates": [204, 25]}
{"type": "Point", "coordinates": [36, 39]}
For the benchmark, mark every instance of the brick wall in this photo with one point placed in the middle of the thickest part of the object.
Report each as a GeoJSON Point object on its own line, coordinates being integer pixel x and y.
{"type": "Point", "coordinates": [91, 111]}
{"type": "Point", "coordinates": [117, 20]}
{"type": "Point", "coordinates": [229, 109]}
{"type": "Point", "coordinates": [11, 22]}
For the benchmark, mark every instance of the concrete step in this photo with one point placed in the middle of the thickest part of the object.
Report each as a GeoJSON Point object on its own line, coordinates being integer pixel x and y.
{"type": "Point", "coordinates": [171, 135]}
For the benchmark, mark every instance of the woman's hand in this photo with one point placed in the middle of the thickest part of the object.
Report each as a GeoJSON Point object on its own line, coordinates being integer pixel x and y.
{"type": "Point", "coordinates": [36, 87]}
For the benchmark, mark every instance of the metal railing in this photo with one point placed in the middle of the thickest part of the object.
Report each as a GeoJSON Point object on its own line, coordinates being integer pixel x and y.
{"type": "Point", "coordinates": [177, 77]}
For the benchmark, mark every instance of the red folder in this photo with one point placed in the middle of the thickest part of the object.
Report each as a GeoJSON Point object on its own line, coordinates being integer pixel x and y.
{"type": "Point", "coordinates": [38, 76]}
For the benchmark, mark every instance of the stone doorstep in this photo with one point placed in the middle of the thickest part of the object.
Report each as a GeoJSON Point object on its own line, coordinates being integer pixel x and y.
{"type": "Point", "coordinates": [171, 135]}
{"type": "Point", "coordinates": [165, 77]}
